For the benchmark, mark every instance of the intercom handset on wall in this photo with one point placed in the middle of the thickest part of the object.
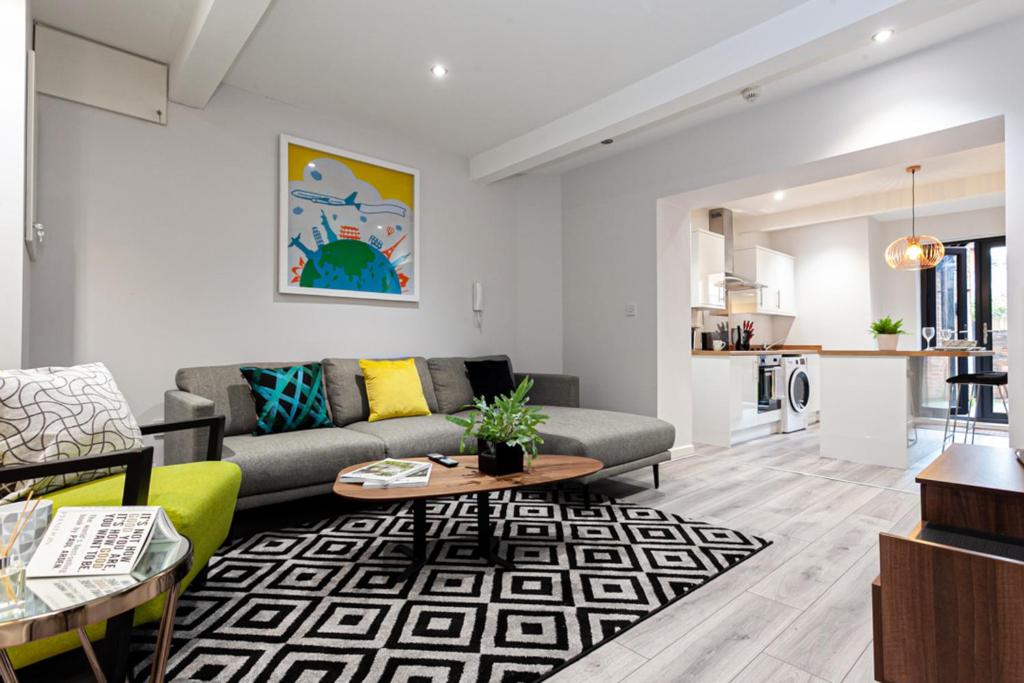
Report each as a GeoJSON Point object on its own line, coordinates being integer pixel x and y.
{"type": "Point", "coordinates": [478, 297]}
{"type": "Point", "coordinates": [478, 304]}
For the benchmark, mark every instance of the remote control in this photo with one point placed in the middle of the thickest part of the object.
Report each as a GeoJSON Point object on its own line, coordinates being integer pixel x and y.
{"type": "Point", "coordinates": [443, 460]}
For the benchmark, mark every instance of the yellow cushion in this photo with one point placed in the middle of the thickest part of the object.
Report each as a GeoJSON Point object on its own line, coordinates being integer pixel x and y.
{"type": "Point", "coordinates": [393, 389]}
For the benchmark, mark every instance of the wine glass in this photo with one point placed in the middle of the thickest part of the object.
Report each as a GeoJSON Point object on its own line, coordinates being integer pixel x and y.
{"type": "Point", "coordinates": [928, 333]}
{"type": "Point", "coordinates": [946, 336]}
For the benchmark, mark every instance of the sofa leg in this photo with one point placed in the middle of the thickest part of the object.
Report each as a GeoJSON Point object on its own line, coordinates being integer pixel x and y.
{"type": "Point", "coordinates": [657, 481]}
{"type": "Point", "coordinates": [586, 495]}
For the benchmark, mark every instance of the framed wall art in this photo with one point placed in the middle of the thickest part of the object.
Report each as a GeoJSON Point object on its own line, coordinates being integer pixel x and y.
{"type": "Point", "coordinates": [348, 224]}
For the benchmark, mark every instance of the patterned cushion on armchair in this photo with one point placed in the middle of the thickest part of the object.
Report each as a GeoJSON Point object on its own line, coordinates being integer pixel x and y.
{"type": "Point", "coordinates": [51, 414]}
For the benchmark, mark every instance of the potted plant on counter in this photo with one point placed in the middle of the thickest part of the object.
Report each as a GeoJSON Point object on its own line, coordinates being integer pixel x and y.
{"type": "Point", "coordinates": [505, 430]}
{"type": "Point", "coordinates": [887, 333]}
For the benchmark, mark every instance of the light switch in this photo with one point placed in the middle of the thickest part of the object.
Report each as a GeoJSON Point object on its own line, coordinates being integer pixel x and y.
{"type": "Point", "coordinates": [630, 310]}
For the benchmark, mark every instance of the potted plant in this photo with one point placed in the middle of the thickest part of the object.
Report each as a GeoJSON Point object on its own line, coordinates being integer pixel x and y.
{"type": "Point", "coordinates": [887, 333]}
{"type": "Point", "coordinates": [505, 430]}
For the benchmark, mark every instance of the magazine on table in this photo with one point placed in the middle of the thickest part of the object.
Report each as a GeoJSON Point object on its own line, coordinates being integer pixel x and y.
{"type": "Point", "coordinates": [97, 541]}
{"type": "Point", "coordinates": [414, 480]}
{"type": "Point", "coordinates": [384, 471]}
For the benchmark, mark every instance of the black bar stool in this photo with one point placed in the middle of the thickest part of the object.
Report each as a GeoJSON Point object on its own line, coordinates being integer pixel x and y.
{"type": "Point", "coordinates": [972, 382]}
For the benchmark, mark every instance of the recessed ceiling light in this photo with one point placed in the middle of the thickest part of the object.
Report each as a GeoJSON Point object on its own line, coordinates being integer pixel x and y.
{"type": "Point", "coordinates": [884, 35]}
{"type": "Point", "coordinates": [439, 70]}
{"type": "Point", "coordinates": [779, 195]}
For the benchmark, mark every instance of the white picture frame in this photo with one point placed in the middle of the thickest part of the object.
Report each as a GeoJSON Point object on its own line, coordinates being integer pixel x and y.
{"type": "Point", "coordinates": [333, 180]}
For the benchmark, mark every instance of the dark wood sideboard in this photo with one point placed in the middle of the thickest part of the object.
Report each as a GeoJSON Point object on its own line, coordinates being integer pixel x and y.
{"type": "Point", "coordinates": [948, 604]}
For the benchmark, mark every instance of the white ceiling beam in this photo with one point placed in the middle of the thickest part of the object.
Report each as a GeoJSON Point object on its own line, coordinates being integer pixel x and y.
{"type": "Point", "coordinates": [803, 36]}
{"type": "Point", "coordinates": [218, 31]}
{"type": "Point", "coordinates": [942, 193]}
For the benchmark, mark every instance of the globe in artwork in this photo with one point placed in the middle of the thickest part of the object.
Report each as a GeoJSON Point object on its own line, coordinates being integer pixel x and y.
{"type": "Point", "coordinates": [353, 265]}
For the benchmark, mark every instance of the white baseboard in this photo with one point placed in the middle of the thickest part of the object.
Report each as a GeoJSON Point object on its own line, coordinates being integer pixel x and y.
{"type": "Point", "coordinates": [677, 452]}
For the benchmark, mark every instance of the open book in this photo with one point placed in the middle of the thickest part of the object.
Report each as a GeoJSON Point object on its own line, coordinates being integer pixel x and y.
{"type": "Point", "coordinates": [97, 541]}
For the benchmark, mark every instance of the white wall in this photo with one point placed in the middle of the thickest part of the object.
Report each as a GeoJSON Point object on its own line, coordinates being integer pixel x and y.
{"type": "Point", "coordinates": [13, 47]}
{"type": "Point", "coordinates": [609, 207]}
{"type": "Point", "coordinates": [161, 249]}
{"type": "Point", "coordinates": [538, 258]}
{"type": "Point", "coordinates": [833, 283]}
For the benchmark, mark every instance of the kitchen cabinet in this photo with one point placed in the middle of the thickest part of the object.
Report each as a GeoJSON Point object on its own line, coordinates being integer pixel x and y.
{"type": "Point", "coordinates": [707, 268]}
{"type": "Point", "coordinates": [773, 269]}
{"type": "Point", "coordinates": [725, 409]}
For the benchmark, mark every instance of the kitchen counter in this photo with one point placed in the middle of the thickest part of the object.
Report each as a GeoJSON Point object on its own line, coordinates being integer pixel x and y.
{"type": "Point", "coordinates": [760, 352]}
{"type": "Point", "coordinates": [930, 353]}
{"type": "Point", "coordinates": [867, 402]}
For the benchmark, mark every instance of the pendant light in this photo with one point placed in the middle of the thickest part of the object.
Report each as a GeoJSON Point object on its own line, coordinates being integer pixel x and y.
{"type": "Point", "coordinates": [916, 252]}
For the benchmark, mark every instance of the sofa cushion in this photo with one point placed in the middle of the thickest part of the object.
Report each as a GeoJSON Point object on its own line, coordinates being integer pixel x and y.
{"type": "Point", "coordinates": [288, 399]}
{"type": "Point", "coordinates": [613, 438]}
{"type": "Point", "coordinates": [230, 393]}
{"type": "Point", "coordinates": [451, 383]}
{"type": "Point", "coordinates": [278, 462]}
{"type": "Point", "coordinates": [346, 389]}
{"type": "Point", "coordinates": [409, 436]}
{"type": "Point", "coordinates": [490, 378]}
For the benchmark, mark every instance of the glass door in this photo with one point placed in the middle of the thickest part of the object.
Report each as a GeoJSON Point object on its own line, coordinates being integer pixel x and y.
{"type": "Point", "coordinates": [964, 297]}
{"type": "Point", "coordinates": [991, 326]}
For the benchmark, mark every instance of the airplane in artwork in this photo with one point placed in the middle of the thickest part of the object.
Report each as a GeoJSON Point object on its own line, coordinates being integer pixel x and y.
{"type": "Point", "coordinates": [350, 200]}
{"type": "Point", "coordinates": [319, 198]}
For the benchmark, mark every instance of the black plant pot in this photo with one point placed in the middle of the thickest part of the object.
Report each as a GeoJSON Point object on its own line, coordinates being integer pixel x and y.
{"type": "Point", "coordinates": [499, 458]}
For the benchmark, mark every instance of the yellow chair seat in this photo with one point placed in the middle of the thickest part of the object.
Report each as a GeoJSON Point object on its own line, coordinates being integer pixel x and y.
{"type": "Point", "coordinates": [199, 499]}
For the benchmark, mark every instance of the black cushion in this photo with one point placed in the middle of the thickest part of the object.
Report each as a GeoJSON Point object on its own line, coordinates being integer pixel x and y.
{"type": "Point", "coordinates": [490, 378]}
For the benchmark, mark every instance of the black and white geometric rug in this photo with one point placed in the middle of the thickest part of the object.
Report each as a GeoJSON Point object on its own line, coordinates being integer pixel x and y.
{"type": "Point", "coordinates": [323, 601]}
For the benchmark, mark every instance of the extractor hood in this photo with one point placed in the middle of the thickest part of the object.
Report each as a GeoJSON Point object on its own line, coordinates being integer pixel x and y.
{"type": "Point", "coordinates": [720, 221]}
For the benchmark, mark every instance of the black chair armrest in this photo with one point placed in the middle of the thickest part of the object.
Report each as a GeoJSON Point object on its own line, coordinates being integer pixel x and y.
{"type": "Point", "coordinates": [138, 464]}
{"type": "Point", "coordinates": [215, 444]}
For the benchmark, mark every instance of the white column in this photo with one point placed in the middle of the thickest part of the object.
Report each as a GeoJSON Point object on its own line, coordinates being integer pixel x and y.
{"type": "Point", "coordinates": [13, 47]}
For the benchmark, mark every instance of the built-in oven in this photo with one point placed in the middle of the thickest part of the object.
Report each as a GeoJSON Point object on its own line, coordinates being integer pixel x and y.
{"type": "Point", "coordinates": [769, 383]}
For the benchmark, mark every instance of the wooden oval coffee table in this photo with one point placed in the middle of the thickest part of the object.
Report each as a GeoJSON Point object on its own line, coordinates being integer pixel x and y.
{"type": "Point", "coordinates": [463, 480]}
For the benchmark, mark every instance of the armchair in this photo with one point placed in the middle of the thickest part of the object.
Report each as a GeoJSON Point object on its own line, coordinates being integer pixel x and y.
{"type": "Point", "coordinates": [198, 497]}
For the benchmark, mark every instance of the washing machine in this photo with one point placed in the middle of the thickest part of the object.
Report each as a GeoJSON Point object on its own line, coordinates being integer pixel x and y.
{"type": "Point", "coordinates": [798, 393]}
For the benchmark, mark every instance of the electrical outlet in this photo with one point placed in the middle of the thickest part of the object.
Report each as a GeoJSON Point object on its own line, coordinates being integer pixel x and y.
{"type": "Point", "coordinates": [630, 310]}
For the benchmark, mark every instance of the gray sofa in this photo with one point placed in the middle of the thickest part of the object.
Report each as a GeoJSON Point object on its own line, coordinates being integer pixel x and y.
{"type": "Point", "coordinates": [280, 467]}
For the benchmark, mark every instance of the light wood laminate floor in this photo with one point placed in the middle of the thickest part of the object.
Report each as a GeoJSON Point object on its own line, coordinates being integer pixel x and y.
{"type": "Point", "coordinates": [798, 611]}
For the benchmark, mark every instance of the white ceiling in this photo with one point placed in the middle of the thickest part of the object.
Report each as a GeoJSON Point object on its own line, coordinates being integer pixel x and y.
{"type": "Point", "coordinates": [514, 64]}
{"type": "Point", "coordinates": [151, 28]}
{"type": "Point", "coordinates": [959, 165]}
{"type": "Point", "coordinates": [534, 85]}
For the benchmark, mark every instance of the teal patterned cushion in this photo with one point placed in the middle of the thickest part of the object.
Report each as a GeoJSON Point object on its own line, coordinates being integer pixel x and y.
{"type": "Point", "coordinates": [287, 399]}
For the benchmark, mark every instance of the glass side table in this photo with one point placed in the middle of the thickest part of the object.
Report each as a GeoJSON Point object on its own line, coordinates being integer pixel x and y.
{"type": "Point", "coordinates": [53, 606]}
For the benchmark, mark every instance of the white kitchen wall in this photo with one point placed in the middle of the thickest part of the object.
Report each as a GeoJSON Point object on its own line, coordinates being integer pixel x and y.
{"type": "Point", "coordinates": [13, 46]}
{"type": "Point", "coordinates": [161, 249]}
{"type": "Point", "coordinates": [833, 283]}
{"type": "Point", "coordinates": [609, 207]}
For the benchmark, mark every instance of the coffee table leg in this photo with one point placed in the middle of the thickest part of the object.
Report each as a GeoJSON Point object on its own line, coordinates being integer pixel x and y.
{"type": "Point", "coordinates": [483, 524]}
{"type": "Point", "coordinates": [419, 539]}
{"type": "Point", "coordinates": [485, 544]}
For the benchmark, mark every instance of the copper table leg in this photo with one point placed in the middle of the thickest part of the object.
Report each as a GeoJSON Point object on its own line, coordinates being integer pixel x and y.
{"type": "Point", "coordinates": [7, 669]}
{"type": "Point", "coordinates": [164, 637]}
{"type": "Point", "coordinates": [90, 654]}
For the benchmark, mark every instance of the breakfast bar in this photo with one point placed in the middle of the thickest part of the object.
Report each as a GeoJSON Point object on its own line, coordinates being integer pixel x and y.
{"type": "Point", "coordinates": [865, 402]}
